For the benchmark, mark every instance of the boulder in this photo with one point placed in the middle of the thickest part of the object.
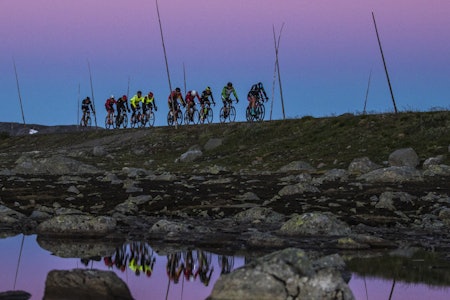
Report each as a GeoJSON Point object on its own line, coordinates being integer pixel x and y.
{"type": "Point", "coordinates": [393, 175]}
{"type": "Point", "coordinates": [362, 165]}
{"type": "Point", "coordinates": [190, 156]}
{"type": "Point", "coordinates": [85, 284]}
{"type": "Point", "coordinates": [297, 166]}
{"type": "Point", "coordinates": [315, 224]}
{"type": "Point", "coordinates": [265, 215]}
{"type": "Point", "coordinates": [299, 188]}
{"type": "Point", "coordinates": [405, 157]}
{"type": "Point", "coordinates": [77, 226]}
{"type": "Point", "coordinates": [53, 165]}
{"type": "Point", "coordinates": [286, 274]}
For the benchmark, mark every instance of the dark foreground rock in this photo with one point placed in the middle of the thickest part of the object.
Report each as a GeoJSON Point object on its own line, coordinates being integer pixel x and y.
{"type": "Point", "coordinates": [85, 284]}
{"type": "Point", "coordinates": [287, 274]}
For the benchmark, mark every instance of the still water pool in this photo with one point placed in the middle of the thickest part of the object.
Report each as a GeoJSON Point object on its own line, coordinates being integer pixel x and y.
{"type": "Point", "coordinates": [149, 274]}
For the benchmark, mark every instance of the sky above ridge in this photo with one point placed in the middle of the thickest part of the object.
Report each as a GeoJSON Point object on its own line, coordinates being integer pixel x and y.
{"type": "Point", "coordinates": [328, 50]}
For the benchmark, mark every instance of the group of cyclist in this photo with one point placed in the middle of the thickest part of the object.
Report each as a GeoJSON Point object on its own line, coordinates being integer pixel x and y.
{"type": "Point", "coordinates": [176, 99]}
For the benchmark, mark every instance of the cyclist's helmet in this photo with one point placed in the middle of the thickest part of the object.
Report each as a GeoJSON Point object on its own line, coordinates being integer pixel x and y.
{"type": "Point", "coordinates": [150, 95]}
{"type": "Point", "coordinates": [193, 93]}
{"type": "Point", "coordinates": [208, 89]}
{"type": "Point", "coordinates": [112, 97]}
{"type": "Point", "coordinates": [139, 92]}
{"type": "Point", "coordinates": [178, 90]}
{"type": "Point", "coordinates": [229, 84]}
{"type": "Point", "coordinates": [124, 97]}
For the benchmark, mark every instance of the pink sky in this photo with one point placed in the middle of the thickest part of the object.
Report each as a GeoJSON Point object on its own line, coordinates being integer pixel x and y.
{"type": "Point", "coordinates": [327, 50]}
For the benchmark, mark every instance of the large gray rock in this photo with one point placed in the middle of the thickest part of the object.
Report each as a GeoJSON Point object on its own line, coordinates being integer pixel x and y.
{"type": "Point", "coordinates": [286, 274]}
{"type": "Point", "coordinates": [362, 165]}
{"type": "Point", "coordinates": [315, 224]}
{"type": "Point", "coordinates": [393, 175]}
{"type": "Point", "coordinates": [190, 155]}
{"type": "Point", "coordinates": [437, 170]}
{"type": "Point", "coordinates": [85, 284]}
{"type": "Point", "coordinates": [54, 165]}
{"type": "Point", "coordinates": [405, 157]}
{"type": "Point", "coordinates": [299, 188]}
{"type": "Point", "coordinates": [389, 200]}
{"type": "Point", "coordinates": [10, 217]}
{"type": "Point", "coordinates": [77, 226]}
{"type": "Point", "coordinates": [297, 166]}
{"type": "Point", "coordinates": [259, 214]}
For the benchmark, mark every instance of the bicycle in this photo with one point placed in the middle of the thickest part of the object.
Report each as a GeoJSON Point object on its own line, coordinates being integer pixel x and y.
{"type": "Point", "coordinates": [171, 119]}
{"type": "Point", "coordinates": [136, 119]}
{"type": "Point", "coordinates": [110, 120]}
{"type": "Point", "coordinates": [191, 116]}
{"type": "Point", "coordinates": [206, 114]}
{"type": "Point", "coordinates": [148, 118]}
{"type": "Point", "coordinates": [122, 121]}
{"type": "Point", "coordinates": [227, 112]}
{"type": "Point", "coordinates": [259, 114]}
{"type": "Point", "coordinates": [86, 119]}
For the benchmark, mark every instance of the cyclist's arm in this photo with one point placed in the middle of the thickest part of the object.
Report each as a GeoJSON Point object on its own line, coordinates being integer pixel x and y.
{"type": "Point", "coordinates": [234, 93]}
{"type": "Point", "coordinates": [224, 93]}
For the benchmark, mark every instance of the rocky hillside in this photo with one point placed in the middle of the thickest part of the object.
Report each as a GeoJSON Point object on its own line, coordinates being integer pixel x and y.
{"type": "Point", "coordinates": [330, 184]}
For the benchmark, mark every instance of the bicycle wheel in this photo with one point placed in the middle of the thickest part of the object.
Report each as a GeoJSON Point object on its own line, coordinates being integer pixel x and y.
{"type": "Point", "coordinates": [134, 121]}
{"type": "Point", "coordinates": [151, 119]}
{"type": "Point", "coordinates": [209, 115]}
{"type": "Point", "coordinates": [169, 119]}
{"type": "Point", "coordinates": [261, 111]}
{"type": "Point", "coordinates": [222, 115]}
{"type": "Point", "coordinates": [107, 123]}
{"type": "Point", "coordinates": [124, 120]}
{"type": "Point", "coordinates": [195, 116]}
{"type": "Point", "coordinates": [248, 114]}
{"type": "Point", "coordinates": [232, 114]}
{"type": "Point", "coordinates": [180, 117]}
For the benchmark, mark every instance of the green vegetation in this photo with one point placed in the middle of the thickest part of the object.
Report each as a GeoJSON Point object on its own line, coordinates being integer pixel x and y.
{"type": "Point", "coordinates": [332, 142]}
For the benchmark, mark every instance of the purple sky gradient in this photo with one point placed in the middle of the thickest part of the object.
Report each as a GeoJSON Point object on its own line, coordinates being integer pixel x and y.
{"type": "Point", "coordinates": [327, 51]}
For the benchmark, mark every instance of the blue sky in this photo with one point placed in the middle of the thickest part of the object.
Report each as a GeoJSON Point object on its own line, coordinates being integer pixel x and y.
{"type": "Point", "coordinates": [327, 51]}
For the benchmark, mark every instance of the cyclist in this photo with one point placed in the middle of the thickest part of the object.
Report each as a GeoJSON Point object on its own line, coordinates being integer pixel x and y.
{"type": "Point", "coordinates": [172, 101]}
{"type": "Point", "coordinates": [109, 106]}
{"type": "Point", "coordinates": [134, 101]}
{"type": "Point", "coordinates": [204, 99]}
{"type": "Point", "coordinates": [226, 93]}
{"type": "Point", "coordinates": [86, 105]}
{"type": "Point", "coordinates": [190, 102]}
{"type": "Point", "coordinates": [256, 92]}
{"type": "Point", "coordinates": [149, 102]}
{"type": "Point", "coordinates": [121, 104]}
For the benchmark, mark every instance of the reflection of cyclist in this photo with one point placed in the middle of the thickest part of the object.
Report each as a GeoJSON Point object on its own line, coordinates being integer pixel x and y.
{"type": "Point", "coordinates": [122, 105]}
{"type": "Point", "coordinates": [134, 101]}
{"type": "Point", "coordinates": [149, 102]}
{"type": "Point", "coordinates": [173, 267]}
{"type": "Point", "coordinates": [204, 266]}
{"type": "Point", "coordinates": [226, 263]}
{"type": "Point", "coordinates": [172, 101]}
{"type": "Point", "coordinates": [190, 102]}
{"type": "Point", "coordinates": [226, 93]}
{"type": "Point", "coordinates": [256, 92]}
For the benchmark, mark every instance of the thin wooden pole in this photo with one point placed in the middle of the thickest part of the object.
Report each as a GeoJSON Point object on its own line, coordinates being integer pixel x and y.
{"type": "Point", "coordinates": [18, 91]}
{"type": "Point", "coordinates": [165, 58]}
{"type": "Point", "coordinates": [78, 104]}
{"type": "Point", "coordinates": [367, 92]}
{"type": "Point", "coordinates": [92, 94]}
{"type": "Point", "coordinates": [128, 88]}
{"type": "Point", "coordinates": [384, 63]}
{"type": "Point", "coordinates": [277, 67]}
{"type": "Point", "coordinates": [184, 79]}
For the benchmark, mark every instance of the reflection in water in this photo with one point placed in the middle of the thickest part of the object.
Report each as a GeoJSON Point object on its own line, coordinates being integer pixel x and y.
{"type": "Point", "coordinates": [189, 274]}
